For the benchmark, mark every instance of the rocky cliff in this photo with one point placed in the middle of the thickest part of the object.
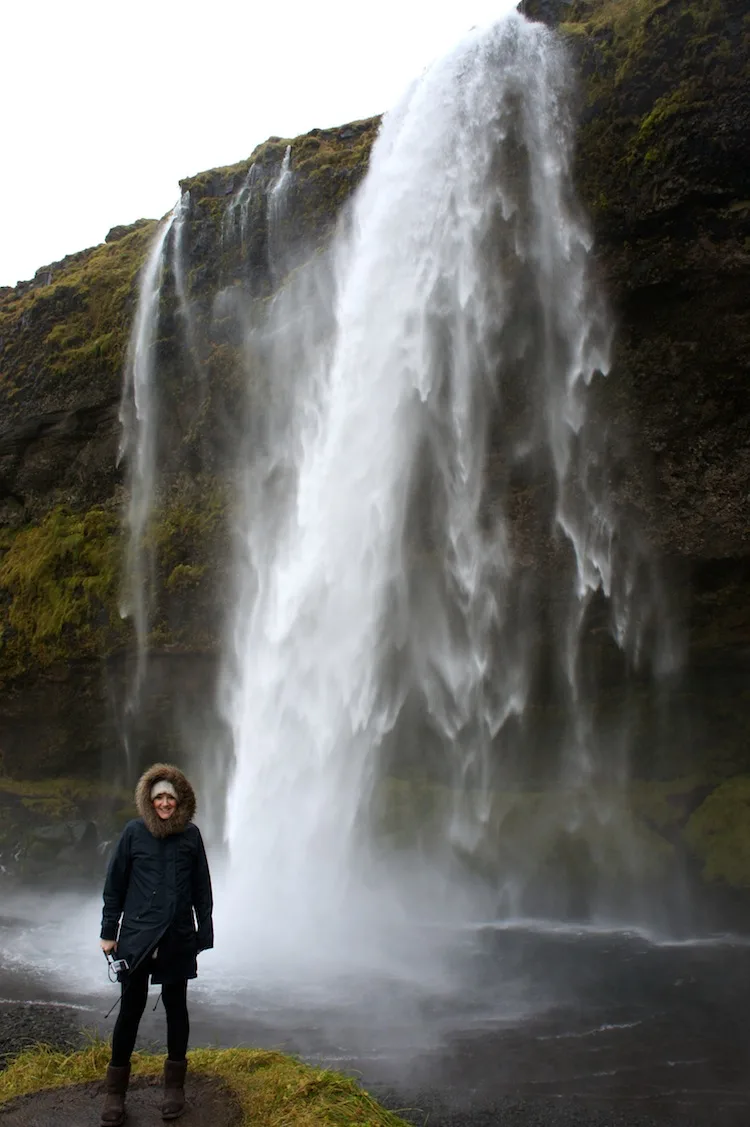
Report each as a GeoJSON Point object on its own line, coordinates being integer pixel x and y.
{"type": "Point", "coordinates": [664, 113]}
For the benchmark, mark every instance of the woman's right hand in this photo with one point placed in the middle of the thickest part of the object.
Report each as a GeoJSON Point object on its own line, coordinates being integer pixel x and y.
{"type": "Point", "coordinates": [108, 945]}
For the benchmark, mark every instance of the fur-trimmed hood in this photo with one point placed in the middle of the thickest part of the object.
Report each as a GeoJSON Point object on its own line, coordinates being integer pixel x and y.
{"type": "Point", "coordinates": [185, 809]}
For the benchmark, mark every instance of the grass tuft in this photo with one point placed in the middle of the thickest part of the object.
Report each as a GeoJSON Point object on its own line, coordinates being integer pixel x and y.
{"type": "Point", "coordinates": [273, 1090]}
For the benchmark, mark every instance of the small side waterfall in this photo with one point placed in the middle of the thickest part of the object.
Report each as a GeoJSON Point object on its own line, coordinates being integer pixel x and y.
{"type": "Point", "coordinates": [180, 281]}
{"type": "Point", "coordinates": [236, 217]}
{"type": "Point", "coordinates": [428, 379]}
{"type": "Point", "coordinates": [138, 418]}
{"type": "Point", "coordinates": [277, 198]}
{"type": "Point", "coordinates": [166, 306]}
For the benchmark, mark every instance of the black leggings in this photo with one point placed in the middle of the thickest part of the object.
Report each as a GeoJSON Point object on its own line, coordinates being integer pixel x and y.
{"type": "Point", "coordinates": [132, 1005]}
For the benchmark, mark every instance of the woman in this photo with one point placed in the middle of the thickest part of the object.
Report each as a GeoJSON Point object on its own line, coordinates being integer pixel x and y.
{"type": "Point", "coordinates": [157, 889]}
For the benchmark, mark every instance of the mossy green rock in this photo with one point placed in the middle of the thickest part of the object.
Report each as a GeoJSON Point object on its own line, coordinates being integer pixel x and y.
{"type": "Point", "coordinates": [60, 579]}
{"type": "Point", "coordinates": [719, 834]}
{"type": "Point", "coordinates": [648, 832]}
{"type": "Point", "coordinates": [62, 345]}
{"type": "Point", "coordinates": [57, 825]}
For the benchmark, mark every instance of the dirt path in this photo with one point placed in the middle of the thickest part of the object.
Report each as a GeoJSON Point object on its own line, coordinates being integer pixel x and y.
{"type": "Point", "coordinates": [210, 1104]}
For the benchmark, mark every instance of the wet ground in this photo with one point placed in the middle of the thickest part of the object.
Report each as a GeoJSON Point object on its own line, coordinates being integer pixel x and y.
{"type": "Point", "coordinates": [549, 1026]}
{"type": "Point", "coordinates": [209, 1104]}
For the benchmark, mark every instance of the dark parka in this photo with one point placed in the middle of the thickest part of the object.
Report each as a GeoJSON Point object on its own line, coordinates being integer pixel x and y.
{"type": "Point", "coordinates": [157, 878]}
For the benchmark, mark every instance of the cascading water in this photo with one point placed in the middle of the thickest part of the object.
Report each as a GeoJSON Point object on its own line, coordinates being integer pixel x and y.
{"type": "Point", "coordinates": [236, 217]}
{"type": "Point", "coordinates": [140, 407]}
{"type": "Point", "coordinates": [138, 418]}
{"type": "Point", "coordinates": [182, 211]}
{"type": "Point", "coordinates": [277, 198]}
{"type": "Point", "coordinates": [426, 380]}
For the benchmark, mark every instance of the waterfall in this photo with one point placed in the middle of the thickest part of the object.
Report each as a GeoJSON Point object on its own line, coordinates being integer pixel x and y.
{"type": "Point", "coordinates": [237, 215]}
{"type": "Point", "coordinates": [138, 444]}
{"type": "Point", "coordinates": [180, 281]}
{"type": "Point", "coordinates": [276, 215]}
{"type": "Point", "coordinates": [428, 379]}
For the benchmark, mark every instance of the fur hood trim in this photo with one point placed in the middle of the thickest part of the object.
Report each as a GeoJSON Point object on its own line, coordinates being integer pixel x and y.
{"type": "Point", "coordinates": [185, 809]}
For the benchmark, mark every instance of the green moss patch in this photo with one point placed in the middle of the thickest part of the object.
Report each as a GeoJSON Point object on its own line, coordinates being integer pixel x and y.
{"type": "Point", "coordinates": [273, 1090]}
{"type": "Point", "coordinates": [719, 834]}
{"type": "Point", "coordinates": [569, 834]}
{"type": "Point", "coordinates": [80, 320]}
{"type": "Point", "coordinates": [185, 530]}
{"type": "Point", "coordinates": [60, 580]}
{"type": "Point", "coordinates": [64, 798]}
{"type": "Point", "coordinates": [345, 148]}
{"type": "Point", "coordinates": [189, 537]}
{"type": "Point", "coordinates": [666, 804]}
{"type": "Point", "coordinates": [53, 826]}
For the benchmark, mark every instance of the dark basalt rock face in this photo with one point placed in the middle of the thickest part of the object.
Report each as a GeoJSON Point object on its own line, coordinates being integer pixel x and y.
{"type": "Point", "coordinates": [664, 111]}
{"type": "Point", "coordinates": [661, 166]}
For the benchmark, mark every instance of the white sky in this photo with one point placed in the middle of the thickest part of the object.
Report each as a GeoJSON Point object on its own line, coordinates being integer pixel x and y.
{"type": "Point", "coordinates": [106, 105]}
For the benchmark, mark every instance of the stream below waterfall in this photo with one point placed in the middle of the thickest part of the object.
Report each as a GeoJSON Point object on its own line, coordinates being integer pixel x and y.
{"type": "Point", "coordinates": [548, 1024]}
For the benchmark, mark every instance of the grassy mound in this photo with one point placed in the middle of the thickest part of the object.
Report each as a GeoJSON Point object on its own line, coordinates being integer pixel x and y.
{"type": "Point", "coordinates": [272, 1089]}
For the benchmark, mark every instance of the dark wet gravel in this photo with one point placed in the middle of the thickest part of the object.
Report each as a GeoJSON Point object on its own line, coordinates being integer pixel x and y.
{"type": "Point", "coordinates": [23, 1025]}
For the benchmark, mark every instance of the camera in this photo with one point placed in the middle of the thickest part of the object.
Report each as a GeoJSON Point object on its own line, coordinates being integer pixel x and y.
{"type": "Point", "coordinates": [115, 967]}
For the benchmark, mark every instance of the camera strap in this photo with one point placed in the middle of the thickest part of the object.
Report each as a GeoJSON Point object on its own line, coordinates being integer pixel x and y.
{"type": "Point", "coordinates": [112, 1007]}
{"type": "Point", "coordinates": [111, 972]}
{"type": "Point", "coordinates": [126, 984]}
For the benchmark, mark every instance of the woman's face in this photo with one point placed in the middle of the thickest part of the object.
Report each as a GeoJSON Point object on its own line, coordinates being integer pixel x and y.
{"type": "Point", "coordinates": [164, 805]}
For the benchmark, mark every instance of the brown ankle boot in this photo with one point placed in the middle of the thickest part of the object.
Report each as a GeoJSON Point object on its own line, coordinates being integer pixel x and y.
{"type": "Point", "coordinates": [113, 1112]}
{"type": "Point", "coordinates": [173, 1104]}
